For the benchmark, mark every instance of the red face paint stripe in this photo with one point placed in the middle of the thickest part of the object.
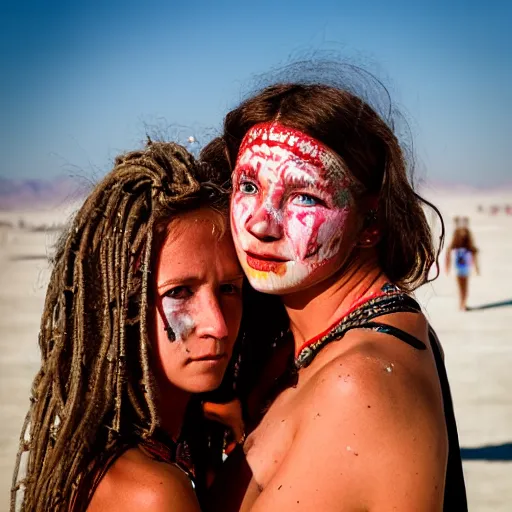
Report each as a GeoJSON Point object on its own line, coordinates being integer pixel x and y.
{"type": "Point", "coordinates": [302, 145]}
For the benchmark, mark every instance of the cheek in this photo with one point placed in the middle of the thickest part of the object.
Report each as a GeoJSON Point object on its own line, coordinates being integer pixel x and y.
{"type": "Point", "coordinates": [316, 231]}
{"type": "Point", "coordinates": [180, 321]}
{"type": "Point", "coordinates": [232, 312]}
{"type": "Point", "coordinates": [182, 325]}
{"type": "Point", "coordinates": [335, 223]}
{"type": "Point", "coordinates": [333, 231]}
{"type": "Point", "coordinates": [242, 207]}
{"type": "Point", "coordinates": [302, 227]}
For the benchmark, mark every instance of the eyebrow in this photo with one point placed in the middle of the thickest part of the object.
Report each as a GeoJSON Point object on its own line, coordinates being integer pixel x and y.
{"type": "Point", "coordinates": [190, 280]}
{"type": "Point", "coordinates": [181, 281]}
{"type": "Point", "coordinates": [248, 171]}
{"type": "Point", "coordinates": [308, 184]}
{"type": "Point", "coordinates": [301, 182]}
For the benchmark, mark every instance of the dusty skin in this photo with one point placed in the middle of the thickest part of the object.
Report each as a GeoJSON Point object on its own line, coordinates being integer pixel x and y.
{"type": "Point", "coordinates": [476, 343]}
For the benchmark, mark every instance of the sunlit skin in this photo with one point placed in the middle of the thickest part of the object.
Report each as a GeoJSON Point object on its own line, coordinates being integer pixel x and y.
{"type": "Point", "coordinates": [293, 206]}
{"type": "Point", "coordinates": [349, 434]}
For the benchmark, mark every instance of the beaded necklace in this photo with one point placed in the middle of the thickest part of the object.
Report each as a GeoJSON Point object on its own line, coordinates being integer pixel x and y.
{"type": "Point", "coordinates": [164, 449]}
{"type": "Point", "coordinates": [389, 299]}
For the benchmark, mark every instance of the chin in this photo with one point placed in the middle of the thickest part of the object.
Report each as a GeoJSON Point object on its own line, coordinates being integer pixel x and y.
{"type": "Point", "coordinates": [296, 280]}
{"type": "Point", "coordinates": [204, 383]}
{"type": "Point", "coordinates": [274, 285]}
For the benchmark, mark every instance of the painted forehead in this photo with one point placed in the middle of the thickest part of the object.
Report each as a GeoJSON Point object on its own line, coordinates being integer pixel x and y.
{"type": "Point", "coordinates": [263, 137]}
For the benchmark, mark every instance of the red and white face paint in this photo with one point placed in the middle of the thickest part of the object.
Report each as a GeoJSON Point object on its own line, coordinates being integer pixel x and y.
{"type": "Point", "coordinates": [292, 210]}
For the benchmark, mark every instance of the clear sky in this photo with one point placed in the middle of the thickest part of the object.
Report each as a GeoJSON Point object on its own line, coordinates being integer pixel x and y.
{"type": "Point", "coordinates": [80, 81]}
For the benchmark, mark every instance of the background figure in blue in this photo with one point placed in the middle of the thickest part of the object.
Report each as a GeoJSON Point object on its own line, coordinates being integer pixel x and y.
{"type": "Point", "coordinates": [464, 253]}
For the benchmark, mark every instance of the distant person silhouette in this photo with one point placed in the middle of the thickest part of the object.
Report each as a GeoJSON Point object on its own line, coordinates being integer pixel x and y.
{"type": "Point", "coordinates": [464, 251]}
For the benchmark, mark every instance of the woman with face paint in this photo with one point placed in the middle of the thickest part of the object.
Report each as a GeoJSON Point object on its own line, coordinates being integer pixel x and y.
{"type": "Point", "coordinates": [141, 314]}
{"type": "Point", "coordinates": [358, 415]}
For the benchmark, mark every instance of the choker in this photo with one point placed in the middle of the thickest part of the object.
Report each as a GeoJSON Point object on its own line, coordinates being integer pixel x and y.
{"type": "Point", "coordinates": [389, 299]}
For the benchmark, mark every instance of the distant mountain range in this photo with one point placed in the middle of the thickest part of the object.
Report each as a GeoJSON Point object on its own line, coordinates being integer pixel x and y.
{"type": "Point", "coordinates": [37, 193]}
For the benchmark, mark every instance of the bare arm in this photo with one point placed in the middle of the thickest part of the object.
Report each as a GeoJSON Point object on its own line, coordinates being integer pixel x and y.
{"type": "Point", "coordinates": [371, 440]}
{"type": "Point", "coordinates": [475, 263]}
{"type": "Point", "coordinates": [448, 261]}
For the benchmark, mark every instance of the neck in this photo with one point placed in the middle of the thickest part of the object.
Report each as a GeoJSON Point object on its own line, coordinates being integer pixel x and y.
{"type": "Point", "coordinates": [314, 310]}
{"type": "Point", "coordinates": [171, 405]}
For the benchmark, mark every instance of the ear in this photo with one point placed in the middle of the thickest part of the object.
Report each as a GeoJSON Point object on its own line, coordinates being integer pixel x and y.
{"type": "Point", "coordinates": [371, 233]}
{"type": "Point", "coordinates": [369, 237]}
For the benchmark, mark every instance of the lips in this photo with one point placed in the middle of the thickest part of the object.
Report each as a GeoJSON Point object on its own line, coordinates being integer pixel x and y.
{"type": "Point", "coordinates": [210, 357]}
{"type": "Point", "coordinates": [265, 262]}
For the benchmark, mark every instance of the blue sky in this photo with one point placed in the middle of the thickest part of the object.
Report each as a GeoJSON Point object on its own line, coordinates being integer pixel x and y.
{"type": "Point", "coordinates": [82, 80]}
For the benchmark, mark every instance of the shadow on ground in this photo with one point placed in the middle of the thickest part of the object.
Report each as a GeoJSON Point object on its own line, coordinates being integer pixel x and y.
{"type": "Point", "coordinates": [491, 305]}
{"type": "Point", "coordinates": [29, 257]}
{"type": "Point", "coordinates": [500, 452]}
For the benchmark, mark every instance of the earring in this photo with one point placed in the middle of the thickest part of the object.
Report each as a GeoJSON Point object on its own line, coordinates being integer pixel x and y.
{"type": "Point", "coordinates": [367, 242]}
{"type": "Point", "coordinates": [370, 234]}
{"type": "Point", "coordinates": [370, 218]}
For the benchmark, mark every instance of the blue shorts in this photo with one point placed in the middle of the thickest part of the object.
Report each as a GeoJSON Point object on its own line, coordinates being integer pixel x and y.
{"type": "Point", "coordinates": [462, 271]}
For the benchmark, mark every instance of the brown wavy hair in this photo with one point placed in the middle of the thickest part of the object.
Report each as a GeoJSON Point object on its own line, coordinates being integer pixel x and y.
{"type": "Point", "coordinates": [463, 239]}
{"type": "Point", "coordinates": [95, 386]}
{"type": "Point", "coordinates": [371, 151]}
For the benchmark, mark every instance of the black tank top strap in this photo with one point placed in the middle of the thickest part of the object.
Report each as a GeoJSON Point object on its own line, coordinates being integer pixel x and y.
{"type": "Point", "coordinates": [455, 488]}
{"type": "Point", "coordinates": [393, 301]}
{"type": "Point", "coordinates": [397, 333]}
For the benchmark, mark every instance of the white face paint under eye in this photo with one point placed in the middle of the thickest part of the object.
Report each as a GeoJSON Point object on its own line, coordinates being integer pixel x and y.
{"type": "Point", "coordinates": [180, 324]}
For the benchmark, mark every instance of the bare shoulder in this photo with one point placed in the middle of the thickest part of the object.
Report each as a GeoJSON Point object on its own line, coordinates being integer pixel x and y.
{"type": "Point", "coordinates": [385, 373]}
{"type": "Point", "coordinates": [371, 431]}
{"type": "Point", "coordinates": [383, 399]}
{"type": "Point", "coordinates": [136, 482]}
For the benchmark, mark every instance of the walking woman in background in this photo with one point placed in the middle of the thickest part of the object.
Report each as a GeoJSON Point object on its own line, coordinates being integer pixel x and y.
{"type": "Point", "coordinates": [141, 314]}
{"type": "Point", "coordinates": [464, 254]}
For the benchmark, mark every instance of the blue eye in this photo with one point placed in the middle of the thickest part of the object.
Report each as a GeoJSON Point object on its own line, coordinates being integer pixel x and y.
{"type": "Point", "coordinates": [246, 187]}
{"type": "Point", "coordinates": [306, 200]}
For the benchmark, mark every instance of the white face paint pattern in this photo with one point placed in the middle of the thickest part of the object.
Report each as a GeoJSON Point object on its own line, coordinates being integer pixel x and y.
{"type": "Point", "coordinates": [180, 322]}
{"type": "Point", "coordinates": [291, 204]}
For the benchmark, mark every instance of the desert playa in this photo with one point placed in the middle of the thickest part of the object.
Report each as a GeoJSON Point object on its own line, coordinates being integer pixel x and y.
{"type": "Point", "coordinates": [477, 343]}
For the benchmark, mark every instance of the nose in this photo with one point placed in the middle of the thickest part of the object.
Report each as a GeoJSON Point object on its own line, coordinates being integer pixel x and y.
{"type": "Point", "coordinates": [212, 323]}
{"type": "Point", "coordinates": [265, 224]}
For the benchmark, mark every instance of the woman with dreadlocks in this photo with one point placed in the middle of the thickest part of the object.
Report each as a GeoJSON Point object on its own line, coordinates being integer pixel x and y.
{"type": "Point", "coordinates": [141, 314]}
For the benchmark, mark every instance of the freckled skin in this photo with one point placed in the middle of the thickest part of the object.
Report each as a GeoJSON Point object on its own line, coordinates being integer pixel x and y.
{"type": "Point", "coordinates": [195, 278]}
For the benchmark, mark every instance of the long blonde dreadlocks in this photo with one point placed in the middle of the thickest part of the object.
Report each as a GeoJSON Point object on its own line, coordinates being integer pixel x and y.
{"type": "Point", "coordinates": [95, 384]}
